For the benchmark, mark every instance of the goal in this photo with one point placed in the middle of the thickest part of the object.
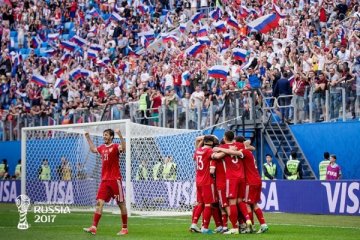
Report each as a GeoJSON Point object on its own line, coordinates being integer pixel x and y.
{"type": "Point", "coordinates": [157, 168]}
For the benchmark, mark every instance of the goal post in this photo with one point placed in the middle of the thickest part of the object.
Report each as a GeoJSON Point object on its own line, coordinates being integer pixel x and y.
{"type": "Point", "coordinates": [157, 168]}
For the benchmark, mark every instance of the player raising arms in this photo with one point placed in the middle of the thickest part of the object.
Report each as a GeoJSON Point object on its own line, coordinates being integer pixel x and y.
{"type": "Point", "coordinates": [111, 184]}
{"type": "Point", "coordinates": [235, 182]}
{"type": "Point", "coordinates": [205, 188]}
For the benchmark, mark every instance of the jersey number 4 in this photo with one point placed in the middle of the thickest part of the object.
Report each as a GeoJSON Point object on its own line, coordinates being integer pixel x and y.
{"type": "Point", "coordinates": [199, 163]}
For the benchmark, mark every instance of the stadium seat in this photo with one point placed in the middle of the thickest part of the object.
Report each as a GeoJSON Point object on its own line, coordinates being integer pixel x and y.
{"type": "Point", "coordinates": [69, 25]}
{"type": "Point", "coordinates": [37, 51]}
{"type": "Point", "coordinates": [24, 51]}
{"type": "Point", "coordinates": [65, 37]}
{"type": "Point", "coordinates": [44, 45]}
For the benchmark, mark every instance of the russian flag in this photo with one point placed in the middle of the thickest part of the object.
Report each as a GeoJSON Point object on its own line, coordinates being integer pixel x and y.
{"type": "Point", "coordinates": [53, 36]}
{"type": "Point", "coordinates": [204, 40]}
{"type": "Point", "coordinates": [182, 27]}
{"type": "Point", "coordinates": [39, 80]}
{"type": "Point", "coordinates": [59, 83]}
{"type": "Point", "coordinates": [50, 52]}
{"type": "Point", "coordinates": [132, 53]}
{"type": "Point", "coordinates": [68, 45]}
{"type": "Point", "coordinates": [142, 9]}
{"type": "Point", "coordinates": [231, 21]}
{"type": "Point", "coordinates": [239, 54]}
{"type": "Point", "coordinates": [215, 14]}
{"type": "Point", "coordinates": [226, 40]}
{"type": "Point", "coordinates": [58, 72]}
{"type": "Point", "coordinates": [93, 12]}
{"type": "Point", "coordinates": [35, 42]}
{"type": "Point", "coordinates": [75, 74]}
{"type": "Point", "coordinates": [79, 41]}
{"type": "Point", "coordinates": [170, 38]}
{"type": "Point", "coordinates": [195, 49]}
{"type": "Point", "coordinates": [149, 35]}
{"type": "Point", "coordinates": [93, 29]}
{"type": "Point", "coordinates": [92, 54]}
{"type": "Point", "coordinates": [220, 27]}
{"type": "Point", "coordinates": [116, 17]}
{"type": "Point", "coordinates": [65, 57]}
{"type": "Point", "coordinates": [184, 77]}
{"type": "Point", "coordinates": [100, 63]}
{"type": "Point", "coordinates": [278, 11]}
{"type": "Point", "coordinates": [218, 71]}
{"type": "Point", "coordinates": [202, 32]}
{"type": "Point", "coordinates": [96, 47]}
{"type": "Point", "coordinates": [244, 11]}
{"type": "Point", "coordinates": [265, 23]}
{"type": "Point", "coordinates": [197, 17]}
{"type": "Point", "coordinates": [85, 73]}
{"type": "Point", "coordinates": [144, 42]}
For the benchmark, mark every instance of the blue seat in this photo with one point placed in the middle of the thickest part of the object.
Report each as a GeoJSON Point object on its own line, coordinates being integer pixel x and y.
{"type": "Point", "coordinates": [37, 51]}
{"type": "Point", "coordinates": [44, 45]}
{"type": "Point", "coordinates": [65, 37]}
{"type": "Point", "coordinates": [24, 51]}
{"type": "Point", "coordinates": [69, 25]}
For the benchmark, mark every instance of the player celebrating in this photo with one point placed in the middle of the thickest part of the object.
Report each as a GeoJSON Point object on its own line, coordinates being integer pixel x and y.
{"type": "Point", "coordinates": [235, 182]}
{"type": "Point", "coordinates": [253, 184]}
{"type": "Point", "coordinates": [110, 186]}
{"type": "Point", "coordinates": [205, 188]}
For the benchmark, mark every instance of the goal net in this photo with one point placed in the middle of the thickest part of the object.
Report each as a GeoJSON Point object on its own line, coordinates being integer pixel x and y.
{"type": "Point", "coordinates": [157, 168]}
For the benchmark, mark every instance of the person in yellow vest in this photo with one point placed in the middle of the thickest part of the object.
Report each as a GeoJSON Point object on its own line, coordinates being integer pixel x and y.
{"type": "Point", "coordinates": [144, 104]}
{"type": "Point", "coordinates": [269, 169]}
{"type": "Point", "coordinates": [323, 166]}
{"type": "Point", "coordinates": [4, 169]}
{"type": "Point", "coordinates": [142, 172]}
{"type": "Point", "coordinates": [18, 170]}
{"type": "Point", "coordinates": [157, 171]}
{"type": "Point", "coordinates": [293, 168]}
{"type": "Point", "coordinates": [45, 171]}
{"type": "Point", "coordinates": [169, 173]}
{"type": "Point", "coordinates": [66, 171]}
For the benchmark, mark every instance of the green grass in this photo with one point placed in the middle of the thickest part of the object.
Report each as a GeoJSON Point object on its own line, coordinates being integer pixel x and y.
{"type": "Point", "coordinates": [69, 226]}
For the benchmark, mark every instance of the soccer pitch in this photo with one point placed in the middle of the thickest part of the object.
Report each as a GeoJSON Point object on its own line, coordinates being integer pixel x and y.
{"type": "Point", "coordinates": [69, 226]}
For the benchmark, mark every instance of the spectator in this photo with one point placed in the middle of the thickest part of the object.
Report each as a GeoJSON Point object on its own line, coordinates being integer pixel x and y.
{"type": "Point", "coordinates": [157, 171]}
{"type": "Point", "coordinates": [282, 90]}
{"type": "Point", "coordinates": [293, 168]}
{"type": "Point", "coordinates": [170, 171]}
{"type": "Point", "coordinates": [4, 169]}
{"type": "Point", "coordinates": [333, 171]}
{"type": "Point", "coordinates": [142, 172]}
{"type": "Point", "coordinates": [269, 169]}
{"type": "Point", "coordinates": [45, 171]}
{"type": "Point", "coordinates": [323, 166]}
{"type": "Point", "coordinates": [18, 170]}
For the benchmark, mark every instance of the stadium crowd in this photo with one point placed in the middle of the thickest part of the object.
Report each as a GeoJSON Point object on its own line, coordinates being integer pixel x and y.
{"type": "Point", "coordinates": [62, 58]}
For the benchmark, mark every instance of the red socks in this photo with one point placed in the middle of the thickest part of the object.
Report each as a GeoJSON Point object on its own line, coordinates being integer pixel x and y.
{"type": "Point", "coordinates": [243, 210]}
{"type": "Point", "coordinates": [124, 219]}
{"type": "Point", "coordinates": [233, 216]}
{"type": "Point", "coordinates": [196, 213]}
{"type": "Point", "coordinates": [96, 219]}
{"type": "Point", "coordinates": [216, 216]}
{"type": "Point", "coordinates": [260, 216]}
{"type": "Point", "coordinates": [206, 216]}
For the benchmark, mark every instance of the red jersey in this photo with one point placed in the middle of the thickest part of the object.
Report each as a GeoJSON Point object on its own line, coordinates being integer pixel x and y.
{"type": "Point", "coordinates": [110, 161]}
{"type": "Point", "coordinates": [220, 177]}
{"type": "Point", "coordinates": [234, 168]}
{"type": "Point", "coordinates": [202, 157]}
{"type": "Point", "coordinates": [252, 176]}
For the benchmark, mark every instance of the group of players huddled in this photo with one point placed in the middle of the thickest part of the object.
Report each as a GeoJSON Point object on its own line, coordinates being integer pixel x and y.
{"type": "Point", "coordinates": [228, 185]}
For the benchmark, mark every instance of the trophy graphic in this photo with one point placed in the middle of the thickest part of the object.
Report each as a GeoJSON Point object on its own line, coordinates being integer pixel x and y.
{"type": "Point", "coordinates": [23, 204]}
